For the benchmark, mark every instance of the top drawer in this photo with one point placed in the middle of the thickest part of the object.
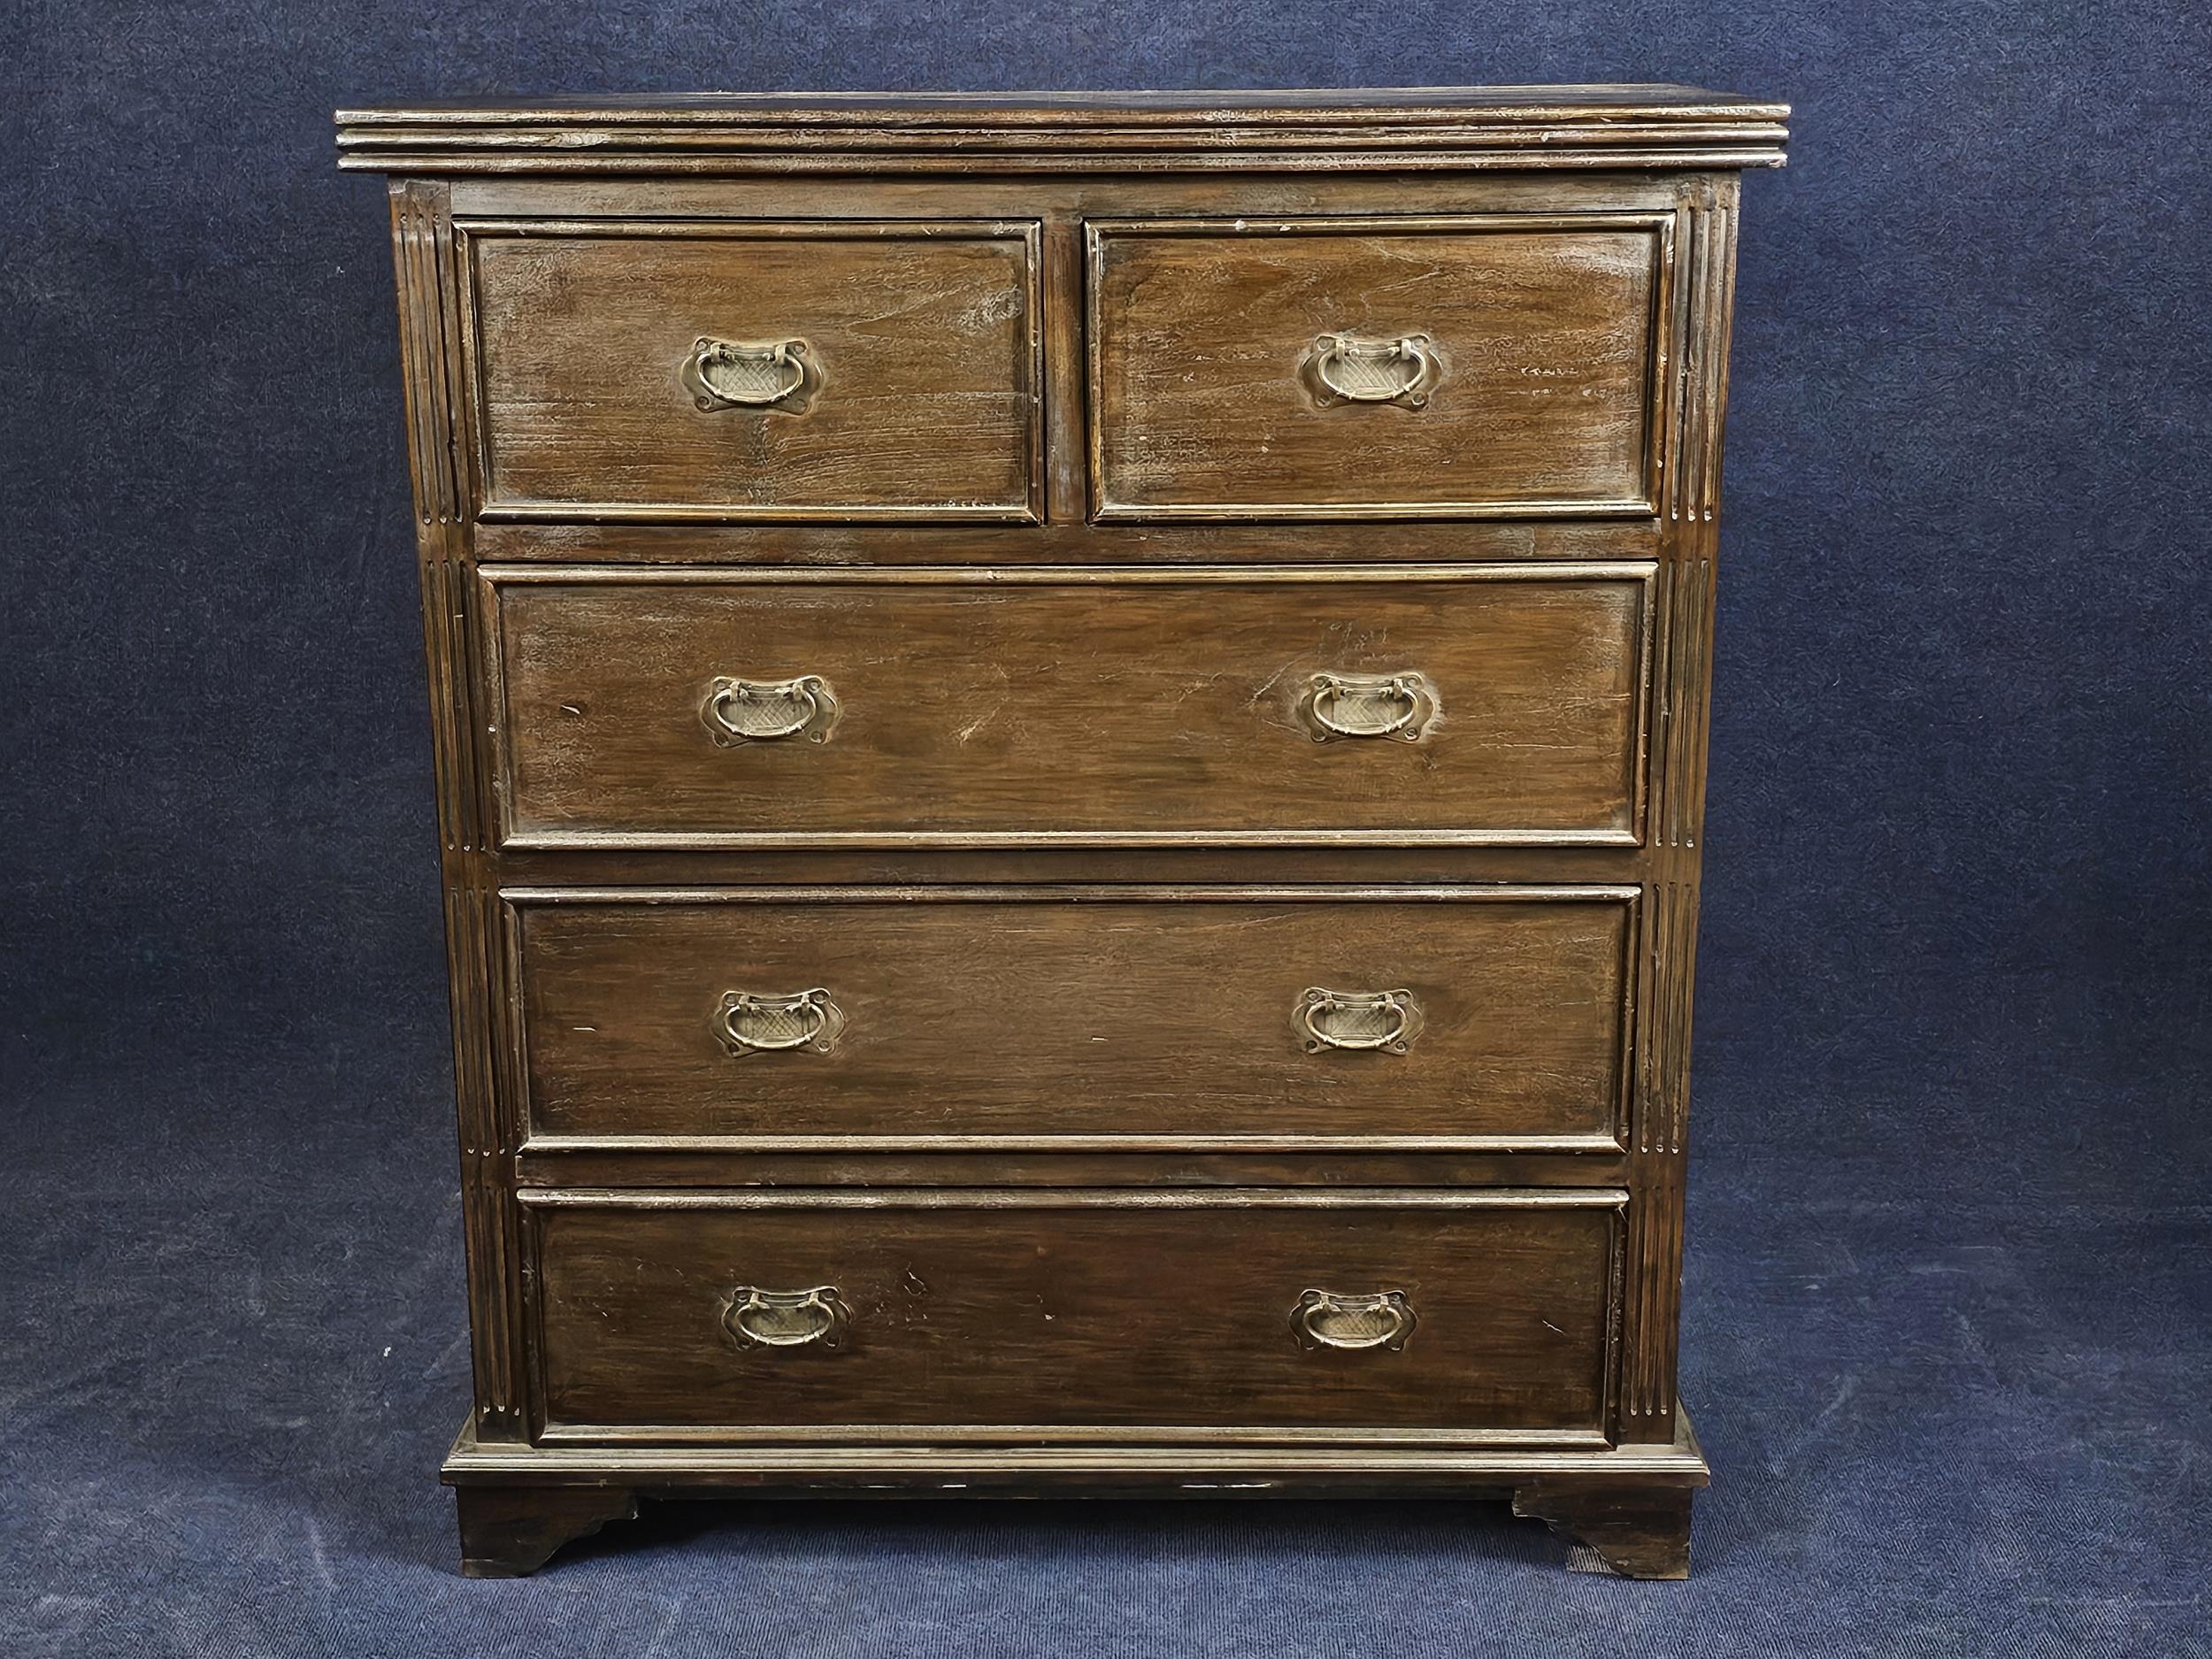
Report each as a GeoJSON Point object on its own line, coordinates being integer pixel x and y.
{"type": "Point", "coordinates": [1406, 368]}
{"type": "Point", "coordinates": [719, 371]}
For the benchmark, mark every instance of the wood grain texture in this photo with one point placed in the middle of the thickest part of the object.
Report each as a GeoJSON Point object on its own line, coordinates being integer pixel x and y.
{"type": "Point", "coordinates": [1523, 128]}
{"type": "Point", "coordinates": [510, 1532]}
{"type": "Point", "coordinates": [1081, 1311]}
{"type": "Point", "coordinates": [427, 269]}
{"type": "Point", "coordinates": [1545, 327]}
{"type": "Point", "coordinates": [1061, 532]}
{"type": "Point", "coordinates": [926, 338]}
{"type": "Point", "coordinates": [1105, 1161]}
{"type": "Point", "coordinates": [588, 863]}
{"type": "Point", "coordinates": [1070, 540]}
{"type": "Point", "coordinates": [1093, 706]}
{"type": "Point", "coordinates": [1076, 198]}
{"type": "Point", "coordinates": [1641, 1530]}
{"type": "Point", "coordinates": [1032, 1018]}
{"type": "Point", "coordinates": [556, 1477]}
{"type": "Point", "coordinates": [1651, 1316]}
{"type": "Point", "coordinates": [1299, 1466]}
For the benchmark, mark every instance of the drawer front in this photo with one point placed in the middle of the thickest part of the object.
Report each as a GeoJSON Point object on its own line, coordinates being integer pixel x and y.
{"type": "Point", "coordinates": [1421, 1315]}
{"type": "Point", "coordinates": [1393, 706]}
{"type": "Point", "coordinates": [1479, 1017]}
{"type": "Point", "coordinates": [633, 370]}
{"type": "Point", "coordinates": [1405, 368]}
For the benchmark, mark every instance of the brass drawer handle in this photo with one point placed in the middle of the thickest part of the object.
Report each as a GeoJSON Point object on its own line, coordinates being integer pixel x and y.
{"type": "Point", "coordinates": [786, 1318]}
{"type": "Point", "coordinates": [1324, 1319]}
{"type": "Point", "coordinates": [756, 711]}
{"type": "Point", "coordinates": [750, 1023]}
{"type": "Point", "coordinates": [1385, 1020]}
{"type": "Point", "coordinates": [781, 375]}
{"type": "Point", "coordinates": [1368, 705]}
{"type": "Point", "coordinates": [1363, 369]}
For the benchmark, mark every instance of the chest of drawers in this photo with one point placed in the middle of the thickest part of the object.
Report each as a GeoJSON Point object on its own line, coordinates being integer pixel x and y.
{"type": "Point", "coordinates": [1070, 738]}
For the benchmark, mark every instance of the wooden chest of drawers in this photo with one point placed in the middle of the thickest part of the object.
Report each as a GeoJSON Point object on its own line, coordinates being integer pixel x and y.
{"type": "Point", "coordinates": [1070, 744]}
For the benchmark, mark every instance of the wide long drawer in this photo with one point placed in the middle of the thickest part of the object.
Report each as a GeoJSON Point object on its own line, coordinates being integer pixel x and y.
{"type": "Point", "coordinates": [1301, 706]}
{"type": "Point", "coordinates": [1477, 1017]}
{"type": "Point", "coordinates": [1262, 1315]}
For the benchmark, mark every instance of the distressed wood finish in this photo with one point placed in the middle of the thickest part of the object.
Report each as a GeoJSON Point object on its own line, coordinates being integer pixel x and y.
{"type": "Point", "coordinates": [1110, 707]}
{"type": "Point", "coordinates": [1651, 1319]}
{"type": "Point", "coordinates": [586, 1486]}
{"type": "Point", "coordinates": [1067, 519]}
{"type": "Point", "coordinates": [1545, 334]}
{"type": "Point", "coordinates": [429, 275]}
{"type": "Point", "coordinates": [924, 336]}
{"type": "Point", "coordinates": [1641, 1530]}
{"type": "Point", "coordinates": [1136, 1316]}
{"type": "Point", "coordinates": [1015, 1018]}
{"type": "Point", "coordinates": [1447, 130]}
{"type": "Point", "coordinates": [509, 1532]}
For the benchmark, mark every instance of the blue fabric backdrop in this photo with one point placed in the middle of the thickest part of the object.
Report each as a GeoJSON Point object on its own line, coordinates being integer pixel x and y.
{"type": "Point", "coordinates": [1948, 1280]}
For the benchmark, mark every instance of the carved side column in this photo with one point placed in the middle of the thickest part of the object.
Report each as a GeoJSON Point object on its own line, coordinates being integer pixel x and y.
{"type": "Point", "coordinates": [430, 286]}
{"type": "Point", "coordinates": [1705, 245]}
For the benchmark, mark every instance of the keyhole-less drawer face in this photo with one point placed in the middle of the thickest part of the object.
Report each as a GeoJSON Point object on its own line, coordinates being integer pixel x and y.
{"type": "Point", "coordinates": [1193, 1017]}
{"type": "Point", "coordinates": [1376, 368]}
{"type": "Point", "coordinates": [1398, 706]}
{"type": "Point", "coordinates": [709, 371]}
{"type": "Point", "coordinates": [1090, 1315]}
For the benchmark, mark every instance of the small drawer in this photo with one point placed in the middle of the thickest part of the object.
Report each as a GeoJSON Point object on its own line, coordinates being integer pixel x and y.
{"type": "Point", "coordinates": [633, 370]}
{"type": "Point", "coordinates": [1412, 1315]}
{"type": "Point", "coordinates": [1376, 368]}
{"type": "Point", "coordinates": [1394, 706]}
{"type": "Point", "coordinates": [1478, 1018]}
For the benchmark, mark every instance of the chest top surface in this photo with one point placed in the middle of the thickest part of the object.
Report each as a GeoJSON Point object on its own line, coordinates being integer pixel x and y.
{"type": "Point", "coordinates": [1603, 126]}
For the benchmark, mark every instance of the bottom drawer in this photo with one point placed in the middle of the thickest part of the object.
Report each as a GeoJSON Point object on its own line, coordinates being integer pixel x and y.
{"type": "Point", "coordinates": [1413, 1316]}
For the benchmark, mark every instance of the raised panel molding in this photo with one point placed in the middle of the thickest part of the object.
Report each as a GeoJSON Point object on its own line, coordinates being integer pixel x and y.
{"type": "Point", "coordinates": [1060, 1195]}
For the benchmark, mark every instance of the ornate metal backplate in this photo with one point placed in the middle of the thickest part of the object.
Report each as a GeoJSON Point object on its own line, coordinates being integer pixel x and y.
{"type": "Point", "coordinates": [1336, 706]}
{"type": "Point", "coordinates": [1385, 1021]}
{"type": "Point", "coordinates": [786, 1318]}
{"type": "Point", "coordinates": [761, 711]}
{"type": "Point", "coordinates": [778, 375]}
{"type": "Point", "coordinates": [746, 1022]}
{"type": "Point", "coordinates": [1383, 1319]}
{"type": "Point", "coordinates": [1362, 369]}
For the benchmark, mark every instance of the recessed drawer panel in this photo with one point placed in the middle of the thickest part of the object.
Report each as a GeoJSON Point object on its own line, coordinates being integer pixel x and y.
{"type": "Point", "coordinates": [1191, 1016]}
{"type": "Point", "coordinates": [1375, 368]}
{"type": "Point", "coordinates": [1083, 1315]}
{"type": "Point", "coordinates": [1393, 706]}
{"type": "Point", "coordinates": [635, 369]}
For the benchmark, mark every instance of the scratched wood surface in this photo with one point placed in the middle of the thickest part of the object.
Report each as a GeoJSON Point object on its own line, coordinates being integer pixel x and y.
{"type": "Point", "coordinates": [1053, 1021]}
{"type": "Point", "coordinates": [1545, 337]}
{"type": "Point", "coordinates": [1321, 134]}
{"type": "Point", "coordinates": [1077, 1315]}
{"type": "Point", "coordinates": [1159, 705]}
{"type": "Point", "coordinates": [924, 339]}
{"type": "Point", "coordinates": [1066, 526]}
